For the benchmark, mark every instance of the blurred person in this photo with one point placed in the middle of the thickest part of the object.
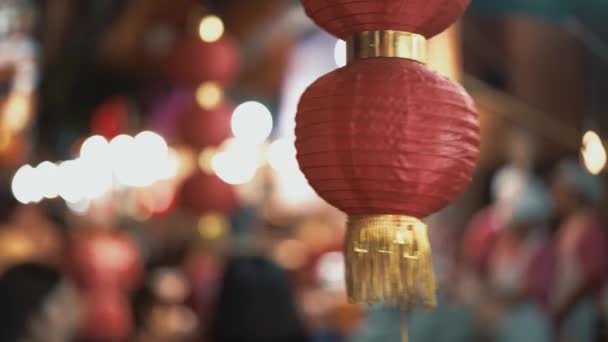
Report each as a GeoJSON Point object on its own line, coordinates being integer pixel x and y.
{"type": "Point", "coordinates": [27, 233]}
{"type": "Point", "coordinates": [581, 246]}
{"type": "Point", "coordinates": [520, 268]}
{"type": "Point", "coordinates": [37, 304]}
{"type": "Point", "coordinates": [485, 227]}
{"type": "Point", "coordinates": [160, 313]}
{"type": "Point", "coordinates": [256, 304]}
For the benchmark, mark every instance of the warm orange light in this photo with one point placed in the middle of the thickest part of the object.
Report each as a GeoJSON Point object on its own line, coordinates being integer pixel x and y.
{"type": "Point", "coordinates": [593, 153]}
{"type": "Point", "coordinates": [212, 226]}
{"type": "Point", "coordinates": [209, 95]}
{"type": "Point", "coordinates": [444, 53]}
{"type": "Point", "coordinates": [17, 112]}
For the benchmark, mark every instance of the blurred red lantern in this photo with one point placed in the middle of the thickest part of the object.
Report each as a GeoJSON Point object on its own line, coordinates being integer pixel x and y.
{"type": "Point", "coordinates": [203, 193]}
{"type": "Point", "coordinates": [107, 259]}
{"type": "Point", "coordinates": [201, 128]}
{"type": "Point", "coordinates": [110, 118]}
{"type": "Point", "coordinates": [107, 316]}
{"type": "Point", "coordinates": [387, 141]}
{"type": "Point", "coordinates": [194, 61]}
{"type": "Point", "coordinates": [343, 18]}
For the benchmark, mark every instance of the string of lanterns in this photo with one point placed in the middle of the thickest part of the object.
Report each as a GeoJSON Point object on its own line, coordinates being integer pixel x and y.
{"type": "Point", "coordinates": [387, 141]}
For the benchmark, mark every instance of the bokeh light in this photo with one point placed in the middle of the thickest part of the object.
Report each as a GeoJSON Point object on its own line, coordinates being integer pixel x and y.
{"type": "Point", "coordinates": [212, 227]}
{"type": "Point", "coordinates": [24, 186]}
{"type": "Point", "coordinates": [95, 178]}
{"type": "Point", "coordinates": [331, 270]}
{"type": "Point", "coordinates": [95, 148]}
{"type": "Point", "coordinates": [281, 155]}
{"type": "Point", "coordinates": [211, 29]}
{"type": "Point", "coordinates": [340, 54]}
{"type": "Point", "coordinates": [17, 112]}
{"type": "Point", "coordinates": [205, 159]}
{"type": "Point", "coordinates": [252, 121]}
{"type": "Point", "coordinates": [69, 186]}
{"type": "Point", "coordinates": [79, 207]}
{"type": "Point", "coordinates": [122, 150]}
{"type": "Point", "coordinates": [152, 145]}
{"type": "Point", "coordinates": [47, 179]}
{"type": "Point", "coordinates": [593, 153]}
{"type": "Point", "coordinates": [209, 95]}
{"type": "Point", "coordinates": [237, 161]}
{"type": "Point", "coordinates": [169, 167]}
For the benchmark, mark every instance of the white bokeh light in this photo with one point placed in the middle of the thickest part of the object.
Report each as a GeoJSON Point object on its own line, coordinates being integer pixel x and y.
{"type": "Point", "coordinates": [593, 153]}
{"type": "Point", "coordinates": [79, 207]}
{"type": "Point", "coordinates": [122, 151]}
{"type": "Point", "coordinates": [152, 145]}
{"type": "Point", "coordinates": [46, 178]}
{"type": "Point", "coordinates": [252, 121]}
{"type": "Point", "coordinates": [281, 155]}
{"type": "Point", "coordinates": [331, 270]}
{"type": "Point", "coordinates": [170, 166]}
{"type": "Point", "coordinates": [70, 175]}
{"type": "Point", "coordinates": [95, 179]}
{"type": "Point", "coordinates": [24, 185]}
{"type": "Point", "coordinates": [211, 28]}
{"type": "Point", "coordinates": [237, 162]}
{"type": "Point", "coordinates": [151, 154]}
{"type": "Point", "coordinates": [340, 54]}
{"type": "Point", "coordinates": [95, 148]}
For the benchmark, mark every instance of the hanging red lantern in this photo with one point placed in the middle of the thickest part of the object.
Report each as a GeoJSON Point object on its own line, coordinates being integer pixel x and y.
{"type": "Point", "coordinates": [344, 18]}
{"type": "Point", "coordinates": [110, 118]}
{"type": "Point", "coordinates": [194, 61]}
{"type": "Point", "coordinates": [387, 141]}
{"type": "Point", "coordinates": [201, 128]}
{"type": "Point", "coordinates": [106, 259]}
{"type": "Point", "coordinates": [204, 193]}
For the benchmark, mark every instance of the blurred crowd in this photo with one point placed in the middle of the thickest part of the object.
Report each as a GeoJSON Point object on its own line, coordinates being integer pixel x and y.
{"type": "Point", "coordinates": [535, 261]}
{"type": "Point", "coordinates": [531, 266]}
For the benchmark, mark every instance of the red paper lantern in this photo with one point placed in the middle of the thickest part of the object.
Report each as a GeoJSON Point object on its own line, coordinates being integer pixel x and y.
{"type": "Point", "coordinates": [194, 61]}
{"type": "Point", "coordinates": [110, 118]}
{"type": "Point", "coordinates": [387, 141]}
{"type": "Point", "coordinates": [201, 128]}
{"type": "Point", "coordinates": [107, 316]}
{"type": "Point", "coordinates": [106, 260]}
{"type": "Point", "coordinates": [343, 18]}
{"type": "Point", "coordinates": [203, 193]}
{"type": "Point", "coordinates": [388, 137]}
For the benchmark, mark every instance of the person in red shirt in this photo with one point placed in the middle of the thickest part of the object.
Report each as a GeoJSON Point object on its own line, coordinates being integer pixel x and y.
{"type": "Point", "coordinates": [518, 268]}
{"type": "Point", "coordinates": [581, 248]}
{"type": "Point", "coordinates": [485, 227]}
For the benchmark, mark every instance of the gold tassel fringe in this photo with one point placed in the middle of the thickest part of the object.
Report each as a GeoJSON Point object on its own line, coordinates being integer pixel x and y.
{"type": "Point", "coordinates": [388, 259]}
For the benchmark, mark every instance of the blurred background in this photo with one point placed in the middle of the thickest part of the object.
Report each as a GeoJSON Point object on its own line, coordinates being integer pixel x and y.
{"type": "Point", "coordinates": [149, 189]}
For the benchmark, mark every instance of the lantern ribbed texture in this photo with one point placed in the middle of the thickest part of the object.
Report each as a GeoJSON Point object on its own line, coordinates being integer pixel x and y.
{"type": "Point", "coordinates": [387, 141]}
{"type": "Point", "coordinates": [387, 136]}
{"type": "Point", "coordinates": [194, 61]}
{"type": "Point", "coordinates": [201, 128]}
{"type": "Point", "coordinates": [343, 18]}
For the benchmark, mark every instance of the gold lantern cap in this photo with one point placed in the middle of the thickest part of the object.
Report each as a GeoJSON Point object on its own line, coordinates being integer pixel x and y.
{"type": "Point", "coordinates": [387, 43]}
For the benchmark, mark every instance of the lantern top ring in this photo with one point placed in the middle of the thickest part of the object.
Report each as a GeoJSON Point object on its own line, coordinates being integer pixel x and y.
{"type": "Point", "coordinates": [387, 43]}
